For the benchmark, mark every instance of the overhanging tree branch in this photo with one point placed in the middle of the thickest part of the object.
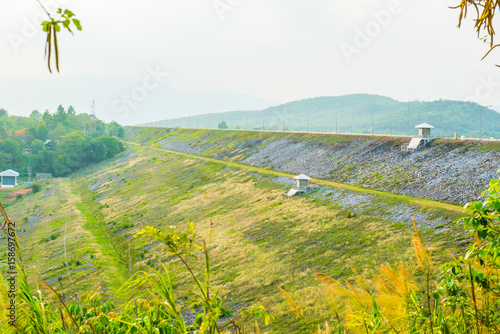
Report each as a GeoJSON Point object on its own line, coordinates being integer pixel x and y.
{"type": "Point", "coordinates": [484, 21]}
{"type": "Point", "coordinates": [52, 27]}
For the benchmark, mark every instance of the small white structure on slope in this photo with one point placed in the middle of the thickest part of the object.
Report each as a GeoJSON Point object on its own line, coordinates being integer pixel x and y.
{"type": "Point", "coordinates": [424, 130]}
{"type": "Point", "coordinates": [302, 182]}
{"type": "Point", "coordinates": [424, 137]}
{"type": "Point", "coordinates": [9, 178]}
{"type": "Point", "coordinates": [301, 187]}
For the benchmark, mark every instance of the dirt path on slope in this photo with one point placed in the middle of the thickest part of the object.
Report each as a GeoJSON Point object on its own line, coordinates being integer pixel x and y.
{"type": "Point", "coordinates": [106, 259]}
{"type": "Point", "coordinates": [415, 200]}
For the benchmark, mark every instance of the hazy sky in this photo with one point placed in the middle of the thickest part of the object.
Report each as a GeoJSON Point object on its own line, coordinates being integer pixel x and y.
{"type": "Point", "coordinates": [277, 50]}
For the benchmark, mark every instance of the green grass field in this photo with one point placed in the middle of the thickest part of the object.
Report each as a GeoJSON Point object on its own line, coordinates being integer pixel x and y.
{"type": "Point", "coordinates": [259, 239]}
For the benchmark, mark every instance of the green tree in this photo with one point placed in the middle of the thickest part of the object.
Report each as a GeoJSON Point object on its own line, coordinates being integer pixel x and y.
{"type": "Point", "coordinates": [100, 129]}
{"type": "Point", "coordinates": [223, 125]}
{"type": "Point", "coordinates": [36, 115]}
{"type": "Point", "coordinates": [121, 132]}
{"type": "Point", "coordinates": [58, 132]}
{"type": "Point", "coordinates": [42, 132]}
{"type": "Point", "coordinates": [71, 111]}
{"type": "Point", "coordinates": [6, 160]}
{"type": "Point", "coordinates": [104, 148]}
{"type": "Point", "coordinates": [47, 118]}
{"type": "Point", "coordinates": [32, 132]}
{"type": "Point", "coordinates": [60, 116]}
{"type": "Point", "coordinates": [61, 165]}
{"type": "Point", "coordinates": [37, 146]}
{"type": "Point", "coordinates": [112, 129]}
{"type": "Point", "coordinates": [13, 148]}
{"type": "Point", "coordinates": [3, 133]}
{"type": "Point", "coordinates": [73, 152]}
{"type": "Point", "coordinates": [3, 113]}
{"type": "Point", "coordinates": [43, 161]}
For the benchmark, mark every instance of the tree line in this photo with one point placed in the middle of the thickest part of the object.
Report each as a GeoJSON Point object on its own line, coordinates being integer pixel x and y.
{"type": "Point", "coordinates": [56, 143]}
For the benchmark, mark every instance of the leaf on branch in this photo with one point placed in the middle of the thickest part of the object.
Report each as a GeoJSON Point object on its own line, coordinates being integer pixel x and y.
{"type": "Point", "coordinates": [68, 13]}
{"type": "Point", "coordinates": [77, 24]}
{"type": "Point", "coordinates": [52, 27]}
{"type": "Point", "coordinates": [46, 26]}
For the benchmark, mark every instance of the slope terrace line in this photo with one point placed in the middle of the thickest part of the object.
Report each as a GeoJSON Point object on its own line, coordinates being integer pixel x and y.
{"type": "Point", "coordinates": [416, 200]}
{"type": "Point", "coordinates": [112, 268]}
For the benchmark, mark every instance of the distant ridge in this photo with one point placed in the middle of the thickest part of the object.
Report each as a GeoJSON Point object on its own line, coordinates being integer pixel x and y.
{"type": "Point", "coordinates": [357, 113]}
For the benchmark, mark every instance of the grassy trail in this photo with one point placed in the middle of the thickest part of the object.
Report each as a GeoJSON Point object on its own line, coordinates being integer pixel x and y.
{"type": "Point", "coordinates": [414, 200]}
{"type": "Point", "coordinates": [107, 259]}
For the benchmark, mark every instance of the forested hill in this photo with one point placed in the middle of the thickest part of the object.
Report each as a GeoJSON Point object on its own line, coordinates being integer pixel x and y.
{"type": "Point", "coordinates": [354, 113]}
{"type": "Point", "coordinates": [57, 143]}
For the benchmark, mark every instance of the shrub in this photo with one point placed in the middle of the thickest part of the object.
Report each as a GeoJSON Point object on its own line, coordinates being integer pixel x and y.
{"type": "Point", "coordinates": [36, 187]}
{"type": "Point", "coordinates": [19, 197]}
{"type": "Point", "coordinates": [223, 125]}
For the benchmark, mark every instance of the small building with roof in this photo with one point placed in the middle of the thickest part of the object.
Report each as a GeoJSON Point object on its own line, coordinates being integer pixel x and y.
{"type": "Point", "coordinates": [424, 130]}
{"type": "Point", "coordinates": [423, 138]}
{"type": "Point", "coordinates": [9, 178]}
{"type": "Point", "coordinates": [301, 187]}
{"type": "Point", "coordinates": [302, 182]}
{"type": "Point", "coordinates": [49, 144]}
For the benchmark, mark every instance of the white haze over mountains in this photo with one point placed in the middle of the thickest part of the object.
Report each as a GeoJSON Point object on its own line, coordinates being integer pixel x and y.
{"type": "Point", "coordinates": [248, 55]}
{"type": "Point", "coordinates": [115, 98]}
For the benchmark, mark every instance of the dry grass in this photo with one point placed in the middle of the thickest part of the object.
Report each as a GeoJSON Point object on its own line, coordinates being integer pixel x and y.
{"type": "Point", "coordinates": [259, 240]}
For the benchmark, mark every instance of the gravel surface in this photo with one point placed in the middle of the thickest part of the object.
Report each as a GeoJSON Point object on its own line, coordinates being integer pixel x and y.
{"type": "Point", "coordinates": [448, 171]}
{"type": "Point", "coordinates": [354, 202]}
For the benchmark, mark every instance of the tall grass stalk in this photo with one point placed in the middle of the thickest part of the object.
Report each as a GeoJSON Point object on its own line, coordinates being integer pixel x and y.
{"type": "Point", "coordinates": [155, 308]}
{"type": "Point", "coordinates": [461, 296]}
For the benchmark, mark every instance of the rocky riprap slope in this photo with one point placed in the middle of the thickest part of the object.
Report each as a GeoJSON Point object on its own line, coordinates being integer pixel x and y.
{"type": "Point", "coordinates": [455, 171]}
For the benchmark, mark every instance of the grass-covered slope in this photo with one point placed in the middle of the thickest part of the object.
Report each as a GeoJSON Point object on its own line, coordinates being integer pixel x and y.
{"type": "Point", "coordinates": [448, 170]}
{"type": "Point", "coordinates": [259, 239]}
{"type": "Point", "coordinates": [45, 221]}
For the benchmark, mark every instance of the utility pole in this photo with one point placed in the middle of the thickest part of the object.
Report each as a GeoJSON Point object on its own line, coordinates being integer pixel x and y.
{"type": "Point", "coordinates": [480, 121]}
{"type": "Point", "coordinates": [408, 125]}
{"type": "Point", "coordinates": [372, 122]}
{"type": "Point", "coordinates": [92, 115]}
{"type": "Point", "coordinates": [29, 175]}
{"type": "Point", "coordinates": [283, 126]}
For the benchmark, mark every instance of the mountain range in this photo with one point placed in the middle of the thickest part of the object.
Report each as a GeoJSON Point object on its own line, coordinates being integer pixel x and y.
{"type": "Point", "coordinates": [358, 113]}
